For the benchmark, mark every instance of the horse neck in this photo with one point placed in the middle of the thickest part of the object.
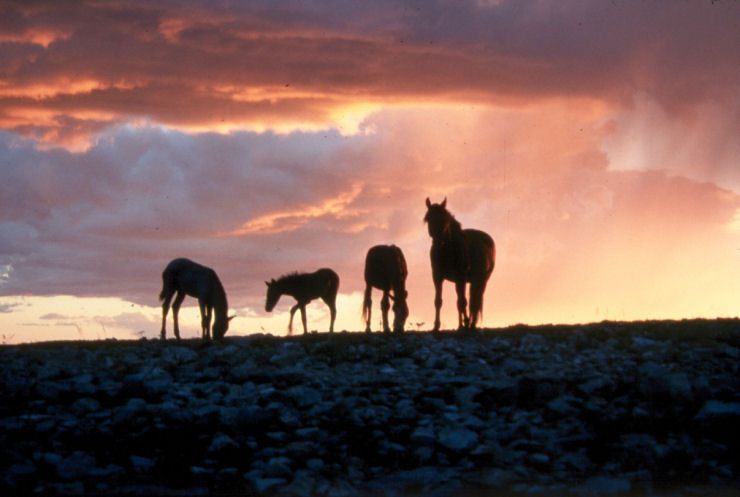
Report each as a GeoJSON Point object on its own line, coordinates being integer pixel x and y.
{"type": "Point", "coordinates": [288, 285]}
{"type": "Point", "coordinates": [218, 300]}
{"type": "Point", "coordinates": [455, 233]}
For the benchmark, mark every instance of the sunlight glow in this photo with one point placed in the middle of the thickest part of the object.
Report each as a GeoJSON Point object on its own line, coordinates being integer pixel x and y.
{"type": "Point", "coordinates": [290, 220]}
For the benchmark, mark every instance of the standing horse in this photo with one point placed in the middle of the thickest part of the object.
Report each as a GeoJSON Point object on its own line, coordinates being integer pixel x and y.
{"type": "Point", "coordinates": [304, 287]}
{"type": "Point", "coordinates": [385, 268]}
{"type": "Point", "coordinates": [189, 278]}
{"type": "Point", "coordinates": [461, 256]}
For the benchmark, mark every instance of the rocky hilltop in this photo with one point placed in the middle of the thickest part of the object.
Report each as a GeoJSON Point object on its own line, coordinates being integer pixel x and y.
{"type": "Point", "coordinates": [647, 408]}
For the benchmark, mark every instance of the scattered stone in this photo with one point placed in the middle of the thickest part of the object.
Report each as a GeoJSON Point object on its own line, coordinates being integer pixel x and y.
{"type": "Point", "coordinates": [605, 409]}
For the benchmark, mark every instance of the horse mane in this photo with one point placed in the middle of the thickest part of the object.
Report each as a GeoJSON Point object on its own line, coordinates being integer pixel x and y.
{"type": "Point", "coordinates": [289, 277]}
{"type": "Point", "coordinates": [455, 226]}
{"type": "Point", "coordinates": [220, 294]}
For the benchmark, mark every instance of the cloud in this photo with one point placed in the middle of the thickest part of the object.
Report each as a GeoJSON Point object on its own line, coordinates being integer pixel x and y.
{"type": "Point", "coordinates": [73, 69]}
{"type": "Point", "coordinates": [572, 232]}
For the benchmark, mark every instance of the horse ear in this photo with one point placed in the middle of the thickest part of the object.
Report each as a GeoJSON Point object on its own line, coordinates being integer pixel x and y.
{"type": "Point", "coordinates": [429, 204]}
{"type": "Point", "coordinates": [267, 283]}
{"type": "Point", "coordinates": [444, 203]}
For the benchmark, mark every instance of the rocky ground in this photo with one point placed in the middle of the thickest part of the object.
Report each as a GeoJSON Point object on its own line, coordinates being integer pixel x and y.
{"type": "Point", "coordinates": [606, 409]}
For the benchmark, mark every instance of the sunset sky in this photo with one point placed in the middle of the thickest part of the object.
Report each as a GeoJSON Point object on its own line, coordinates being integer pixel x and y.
{"type": "Point", "coordinates": [598, 143]}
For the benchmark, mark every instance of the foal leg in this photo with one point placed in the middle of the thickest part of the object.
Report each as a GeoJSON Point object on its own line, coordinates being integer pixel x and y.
{"type": "Point", "coordinates": [303, 319]}
{"type": "Point", "coordinates": [330, 301]}
{"type": "Point", "coordinates": [385, 304]}
{"type": "Point", "coordinates": [175, 309]}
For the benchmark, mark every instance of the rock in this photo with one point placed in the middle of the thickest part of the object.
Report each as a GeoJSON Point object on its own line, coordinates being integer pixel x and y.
{"type": "Point", "coordinates": [604, 485]}
{"type": "Point", "coordinates": [423, 435]}
{"type": "Point", "coordinates": [75, 466]}
{"type": "Point", "coordinates": [129, 413]}
{"type": "Point", "coordinates": [265, 485]}
{"type": "Point", "coordinates": [176, 355]}
{"type": "Point", "coordinates": [719, 420]}
{"type": "Point", "coordinates": [457, 439]}
{"type": "Point", "coordinates": [222, 442]}
{"type": "Point", "coordinates": [142, 464]}
{"type": "Point", "coordinates": [304, 396]}
{"type": "Point", "coordinates": [252, 416]}
{"type": "Point", "coordinates": [278, 467]}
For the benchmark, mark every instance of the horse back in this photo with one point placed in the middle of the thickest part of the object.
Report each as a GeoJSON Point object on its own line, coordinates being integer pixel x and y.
{"type": "Point", "coordinates": [481, 251]}
{"type": "Point", "coordinates": [327, 278]}
{"type": "Point", "coordinates": [191, 278]}
{"type": "Point", "coordinates": [385, 267]}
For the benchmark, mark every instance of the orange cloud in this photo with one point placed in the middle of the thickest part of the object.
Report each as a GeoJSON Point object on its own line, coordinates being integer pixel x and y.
{"type": "Point", "coordinates": [289, 220]}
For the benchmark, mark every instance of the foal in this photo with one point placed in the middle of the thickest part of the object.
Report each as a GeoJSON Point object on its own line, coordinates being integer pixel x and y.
{"type": "Point", "coordinates": [304, 287]}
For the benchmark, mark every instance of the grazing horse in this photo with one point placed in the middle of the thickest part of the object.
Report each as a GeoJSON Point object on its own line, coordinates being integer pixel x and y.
{"type": "Point", "coordinates": [385, 268]}
{"type": "Point", "coordinates": [304, 287]}
{"type": "Point", "coordinates": [189, 278]}
{"type": "Point", "coordinates": [461, 256]}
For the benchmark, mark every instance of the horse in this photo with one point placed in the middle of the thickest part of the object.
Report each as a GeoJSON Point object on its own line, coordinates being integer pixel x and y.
{"type": "Point", "coordinates": [190, 278]}
{"type": "Point", "coordinates": [385, 269]}
{"type": "Point", "coordinates": [304, 287]}
{"type": "Point", "coordinates": [461, 256]}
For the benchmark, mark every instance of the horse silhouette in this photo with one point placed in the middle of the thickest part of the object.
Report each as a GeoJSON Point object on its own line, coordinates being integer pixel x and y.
{"type": "Point", "coordinates": [461, 256]}
{"type": "Point", "coordinates": [304, 287]}
{"type": "Point", "coordinates": [385, 269]}
{"type": "Point", "coordinates": [189, 278]}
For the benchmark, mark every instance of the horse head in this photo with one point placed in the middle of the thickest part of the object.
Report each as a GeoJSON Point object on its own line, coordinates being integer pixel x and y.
{"type": "Point", "coordinates": [438, 219]}
{"type": "Point", "coordinates": [400, 311]}
{"type": "Point", "coordinates": [221, 327]}
{"type": "Point", "coordinates": [273, 295]}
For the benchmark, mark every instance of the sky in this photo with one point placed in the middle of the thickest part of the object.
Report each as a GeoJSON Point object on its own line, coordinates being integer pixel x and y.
{"type": "Point", "coordinates": [596, 142]}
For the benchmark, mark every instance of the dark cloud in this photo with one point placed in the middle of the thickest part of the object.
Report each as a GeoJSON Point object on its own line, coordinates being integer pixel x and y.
{"type": "Point", "coordinates": [255, 65]}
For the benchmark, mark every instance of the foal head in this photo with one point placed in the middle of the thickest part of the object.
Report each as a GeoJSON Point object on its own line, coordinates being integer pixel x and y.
{"type": "Point", "coordinates": [439, 220]}
{"type": "Point", "coordinates": [273, 295]}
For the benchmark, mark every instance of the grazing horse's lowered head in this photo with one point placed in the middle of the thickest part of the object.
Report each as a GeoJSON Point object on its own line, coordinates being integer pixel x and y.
{"type": "Point", "coordinates": [385, 269]}
{"type": "Point", "coordinates": [185, 277]}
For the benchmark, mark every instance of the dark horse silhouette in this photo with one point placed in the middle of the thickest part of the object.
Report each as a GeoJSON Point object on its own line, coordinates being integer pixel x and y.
{"type": "Point", "coordinates": [304, 287]}
{"type": "Point", "coordinates": [461, 256]}
{"type": "Point", "coordinates": [385, 268]}
{"type": "Point", "coordinates": [189, 278]}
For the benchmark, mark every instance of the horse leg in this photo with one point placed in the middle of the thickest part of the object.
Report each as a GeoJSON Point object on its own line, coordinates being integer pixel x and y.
{"type": "Point", "coordinates": [385, 304]}
{"type": "Point", "coordinates": [367, 306]}
{"type": "Point", "coordinates": [476, 301]}
{"type": "Point", "coordinates": [175, 309]}
{"type": "Point", "coordinates": [205, 320]}
{"type": "Point", "coordinates": [165, 307]}
{"type": "Point", "coordinates": [462, 304]}
{"type": "Point", "coordinates": [290, 323]}
{"type": "Point", "coordinates": [437, 302]}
